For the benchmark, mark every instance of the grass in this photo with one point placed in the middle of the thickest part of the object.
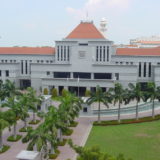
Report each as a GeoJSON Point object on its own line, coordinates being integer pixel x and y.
{"type": "Point", "coordinates": [34, 122]}
{"type": "Point", "coordinates": [25, 129]}
{"type": "Point", "coordinates": [12, 139]}
{"type": "Point", "coordinates": [67, 132]}
{"type": "Point", "coordinates": [139, 141]}
{"type": "Point", "coordinates": [4, 149]}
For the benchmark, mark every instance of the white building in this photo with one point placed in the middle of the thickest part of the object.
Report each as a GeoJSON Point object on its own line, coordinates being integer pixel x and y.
{"type": "Point", "coordinates": [82, 60]}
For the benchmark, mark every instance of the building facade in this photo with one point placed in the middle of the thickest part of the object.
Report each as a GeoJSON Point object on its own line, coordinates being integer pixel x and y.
{"type": "Point", "coordinates": [82, 60]}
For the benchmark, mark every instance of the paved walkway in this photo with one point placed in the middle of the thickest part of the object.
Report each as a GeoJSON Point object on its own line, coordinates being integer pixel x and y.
{"type": "Point", "coordinates": [79, 136]}
{"type": "Point", "coordinates": [15, 147]}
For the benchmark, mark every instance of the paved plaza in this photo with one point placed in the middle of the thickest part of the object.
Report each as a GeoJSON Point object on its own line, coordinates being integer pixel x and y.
{"type": "Point", "coordinates": [79, 136]}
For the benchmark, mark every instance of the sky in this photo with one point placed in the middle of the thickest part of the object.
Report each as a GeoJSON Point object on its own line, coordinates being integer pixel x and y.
{"type": "Point", "coordinates": [42, 22]}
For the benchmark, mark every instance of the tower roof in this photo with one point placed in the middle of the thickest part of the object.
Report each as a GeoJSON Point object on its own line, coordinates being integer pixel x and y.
{"type": "Point", "coordinates": [85, 30]}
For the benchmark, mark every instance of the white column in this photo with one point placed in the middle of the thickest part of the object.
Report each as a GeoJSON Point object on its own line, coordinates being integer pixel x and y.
{"type": "Point", "coordinates": [142, 69]}
{"type": "Point", "coordinates": [92, 76]}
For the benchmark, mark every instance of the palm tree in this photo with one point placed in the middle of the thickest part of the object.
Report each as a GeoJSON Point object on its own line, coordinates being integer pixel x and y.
{"type": "Point", "coordinates": [3, 125]}
{"type": "Point", "coordinates": [135, 94]}
{"type": "Point", "coordinates": [39, 137]}
{"type": "Point", "coordinates": [153, 93]}
{"type": "Point", "coordinates": [10, 89]}
{"type": "Point", "coordinates": [33, 102]}
{"type": "Point", "coordinates": [100, 97]}
{"type": "Point", "coordinates": [24, 102]}
{"type": "Point", "coordinates": [118, 96]}
{"type": "Point", "coordinates": [15, 107]}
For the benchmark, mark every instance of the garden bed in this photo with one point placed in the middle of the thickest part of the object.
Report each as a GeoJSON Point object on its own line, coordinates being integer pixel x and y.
{"type": "Point", "coordinates": [12, 139]}
{"type": "Point", "coordinates": [126, 121]}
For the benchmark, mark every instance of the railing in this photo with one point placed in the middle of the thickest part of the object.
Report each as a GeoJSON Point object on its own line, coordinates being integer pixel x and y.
{"type": "Point", "coordinates": [128, 110]}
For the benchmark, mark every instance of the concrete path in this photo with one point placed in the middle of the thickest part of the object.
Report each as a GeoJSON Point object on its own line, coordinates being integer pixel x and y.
{"type": "Point", "coordinates": [15, 147]}
{"type": "Point", "coordinates": [79, 136]}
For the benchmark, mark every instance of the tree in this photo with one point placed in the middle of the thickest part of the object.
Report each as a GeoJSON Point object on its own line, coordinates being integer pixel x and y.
{"type": "Point", "coordinates": [93, 153]}
{"type": "Point", "coordinates": [135, 94]}
{"type": "Point", "coordinates": [39, 137]}
{"type": "Point", "coordinates": [10, 89]}
{"type": "Point", "coordinates": [34, 101]}
{"type": "Point", "coordinates": [24, 101]}
{"type": "Point", "coordinates": [87, 93]}
{"type": "Point", "coordinates": [3, 124]}
{"type": "Point", "coordinates": [152, 93]}
{"type": "Point", "coordinates": [15, 107]}
{"type": "Point", "coordinates": [54, 92]}
{"type": "Point", "coordinates": [118, 96]}
{"type": "Point", "coordinates": [45, 91]}
{"type": "Point", "coordinates": [100, 97]}
{"type": "Point", "coordinates": [64, 92]}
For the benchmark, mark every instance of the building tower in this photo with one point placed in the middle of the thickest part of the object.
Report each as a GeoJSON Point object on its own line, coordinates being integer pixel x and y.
{"type": "Point", "coordinates": [103, 24]}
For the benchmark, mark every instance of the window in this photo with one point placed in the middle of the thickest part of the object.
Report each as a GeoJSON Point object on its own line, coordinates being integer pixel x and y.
{"type": "Point", "coordinates": [61, 74]}
{"type": "Point", "coordinates": [97, 54]}
{"type": "Point", "coordinates": [107, 53]}
{"type": "Point", "coordinates": [47, 61]}
{"type": "Point", "coordinates": [149, 70]}
{"type": "Point", "coordinates": [104, 54]}
{"type": "Point", "coordinates": [131, 63]}
{"type": "Point", "coordinates": [30, 61]}
{"type": "Point", "coordinates": [58, 52]}
{"type": "Point", "coordinates": [139, 69]}
{"type": "Point", "coordinates": [21, 67]}
{"type": "Point", "coordinates": [61, 53]}
{"type": "Point", "coordinates": [11, 61]}
{"type": "Point", "coordinates": [41, 61]}
{"type": "Point", "coordinates": [82, 75]}
{"type": "Point", "coordinates": [37, 61]}
{"type": "Point", "coordinates": [14, 61]}
{"type": "Point", "coordinates": [83, 44]}
{"type": "Point", "coordinates": [144, 71]}
{"type": "Point", "coordinates": [68, 54]}
{"type": "Point", "coordinates": [100, 54]}
{"type": "Point", "coordinates": [117, 76]}
{"type": "Point", "coordinates": [64, 53]}
{"type": "Point", "coordinates": [0, 73]}
{"type": "Point", "coordinates": [2, 61]}
{"type": "Point", "coordinates": [5, 61]}
{"type": "Point", "coordinates": [48, 73]}
{"type": "Point", "coordinates": [127, 62]}
{"type": "Point", "coordinates": [7, 73]}
{"type": "Point", "coordinates": [121, 62]}
{"type": "Point", "coordinates": [116, 62]}
{"type": "Point", "coordinates": [26, 67]}
{"type": "Point", "coordinates": [51, 61]}
{"type": "Point", "coordinates": [102, 75]}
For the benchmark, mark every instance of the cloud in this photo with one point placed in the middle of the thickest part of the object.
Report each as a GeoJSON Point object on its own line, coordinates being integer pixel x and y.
{"type": "Point", "coordinates": [97, 7]}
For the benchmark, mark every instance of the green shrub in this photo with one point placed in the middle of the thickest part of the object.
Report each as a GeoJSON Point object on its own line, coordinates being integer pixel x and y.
{"type": "Point", "coordinates": [64, 92]}
{"type": "Point", "coordinates": [45, 91]}
{"type": "Point", "coordinates": [73, 124]}
{"type": "Point", "coordinates": [54, 156]}
{"type": "Point", "coordinates": [126, 121]}
{"type": "Point", "coordinates": [4, 149]}
{"type": "Point", "coordinates": [87, 93]}
{"type": "Point", "coordinates": [54, 92]}
{"type": "Point", "coordinates": [62, 143]}
{"type": "Point", "coordinates": [67, 132]}
{"type": "Point", "coordinates": [12, 139]}
{"type": "Point", "coordinates": [25, 129]}
{"type": "Point", "coordinates": [34, 122]}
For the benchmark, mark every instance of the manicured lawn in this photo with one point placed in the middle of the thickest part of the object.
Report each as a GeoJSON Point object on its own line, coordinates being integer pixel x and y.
{"type": "Point", "coordinates": [136, 141]}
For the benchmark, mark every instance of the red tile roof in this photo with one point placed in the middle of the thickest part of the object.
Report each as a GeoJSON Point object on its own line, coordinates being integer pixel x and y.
{"type": "Point", "coordinates": [85, 30]}
{"type": "Point", "coordinates": [138, 51]}
{"type": "Point", "coordinates": [149, 42]}
{"type": "Point", "coordinates": [27, 50]}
